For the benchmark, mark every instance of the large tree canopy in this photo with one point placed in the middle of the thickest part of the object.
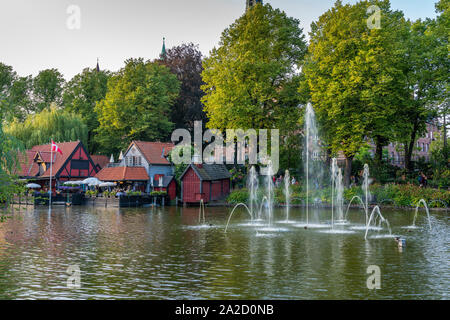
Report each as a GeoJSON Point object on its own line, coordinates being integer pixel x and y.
{"type": "Point", "coordinates": [47, 88]}
{"type": "Point", "coordinates": [80, 96]}
{"type": "Point", "coordinates": [50, 123]}
{"type": "Point", "coordinates": [16, 92]}
{"type": "Point", "coordinates": [250, 79]}
{"type": "Point", "coordinates": [186, 62]}
{"type": "Point", "coordinates": [355, 75]}
{"type": "Point", "coordinates": [137, 105]}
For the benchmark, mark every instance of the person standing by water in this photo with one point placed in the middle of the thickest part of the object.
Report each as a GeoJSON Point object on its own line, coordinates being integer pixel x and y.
{"type": "Point", "coordinates": [423, 180]}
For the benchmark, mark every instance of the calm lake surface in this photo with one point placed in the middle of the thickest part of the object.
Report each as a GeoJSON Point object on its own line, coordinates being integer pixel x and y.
{"type": "Point", "coordinates": [161, 253]}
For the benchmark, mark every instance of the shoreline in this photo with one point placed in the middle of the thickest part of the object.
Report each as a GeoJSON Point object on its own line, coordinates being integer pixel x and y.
{"type": "Point", "coordinates": [326, 206]}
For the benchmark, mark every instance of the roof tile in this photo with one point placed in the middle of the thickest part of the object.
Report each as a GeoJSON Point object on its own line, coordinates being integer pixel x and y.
{"type": "Point", "coordinates": [123, 174]}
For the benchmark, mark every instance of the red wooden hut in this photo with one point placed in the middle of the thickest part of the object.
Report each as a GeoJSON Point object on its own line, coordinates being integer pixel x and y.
{"type": "Point", "coordinates": [168, 184]}
{"type": "Point", "coordinates": [207, 182]}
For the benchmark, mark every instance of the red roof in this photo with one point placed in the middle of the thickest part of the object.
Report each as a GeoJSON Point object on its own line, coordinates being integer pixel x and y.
{"type": "Point", "coordinates": [25, 161]}
{"type": "Point", "coordinates": [67, 149]}
{"type": "Point", "coordinates": [46, 156]}
{"type": "Point", "coordinates": [153, 151]}
{"type": "Point", "coordinates": [123, 174]}
{"type": "Point", "coordinates": [102, 161]}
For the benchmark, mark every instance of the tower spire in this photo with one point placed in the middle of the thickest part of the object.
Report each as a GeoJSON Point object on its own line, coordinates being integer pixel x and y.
{"type": "Point", "coordinates": [251, 3]}
{"type": "Point", "coordinates": [98, 67]}
{"type": "Point", "coordinates": [163, 51]}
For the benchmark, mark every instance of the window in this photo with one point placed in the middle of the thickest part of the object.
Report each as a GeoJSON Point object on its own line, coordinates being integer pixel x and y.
{"type": "Point", "coordinates": [133, 161]}
{"type": "Point", "coordinates": [80, 164]}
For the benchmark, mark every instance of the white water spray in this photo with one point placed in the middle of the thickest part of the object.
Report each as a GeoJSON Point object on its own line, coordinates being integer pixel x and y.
{"type": "Point", "coordinates": [252, 185]}
{"type": "Point", "coordinates": [287, 192]}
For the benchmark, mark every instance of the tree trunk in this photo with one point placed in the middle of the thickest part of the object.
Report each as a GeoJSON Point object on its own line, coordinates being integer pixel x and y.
{"type": "Point", "coordinates": [409, 149]}
{"type": "Point", "coordinates": [445, 138]}
{"type": "Point", "coordinates": [328, 158]}
{"type": "Point", "coordinates": [379, 149]}
{"type": "Point", "coordinates": [348, 170]}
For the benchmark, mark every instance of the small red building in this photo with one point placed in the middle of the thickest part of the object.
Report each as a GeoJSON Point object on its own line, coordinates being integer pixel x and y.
{"type": "Point", "coordinates": [207, 182]}
{"type": "Point", "coordinates": [168, 184]}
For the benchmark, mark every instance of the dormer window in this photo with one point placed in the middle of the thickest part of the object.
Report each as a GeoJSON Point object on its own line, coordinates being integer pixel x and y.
{"type": "Point", "coordinates": [134, 161]}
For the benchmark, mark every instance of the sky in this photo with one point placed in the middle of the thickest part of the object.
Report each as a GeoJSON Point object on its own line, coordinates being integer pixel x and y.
{"type": "Point", "coordinates": [71, 34]}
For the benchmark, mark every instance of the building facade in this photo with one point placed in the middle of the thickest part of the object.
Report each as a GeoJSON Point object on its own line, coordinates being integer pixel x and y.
{"type": "Point", "coordinates": [74, 163]}
{"type": "Point", "coordinates": [152, 156]}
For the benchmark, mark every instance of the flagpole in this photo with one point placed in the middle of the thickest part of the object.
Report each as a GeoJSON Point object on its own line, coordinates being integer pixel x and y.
{"type": "Point", "coordinates": [51, 173]}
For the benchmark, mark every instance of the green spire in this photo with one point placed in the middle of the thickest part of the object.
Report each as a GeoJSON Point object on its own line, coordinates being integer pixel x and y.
{"type": "Point", "coordinates": [251, 3]}
{"type": "Point", "coordinates": [163, 52]}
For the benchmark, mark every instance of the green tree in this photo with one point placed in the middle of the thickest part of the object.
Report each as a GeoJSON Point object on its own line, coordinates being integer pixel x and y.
{"type": "Point", "coordinates": [47, 88]}
{"type": "Point", "coordinates": [251, 79]}
{"type": "Point", "coordinates": [439, 28]}
{"type": "Point", "coordinates": [16, 93]}
{"type": "Point", "coordinates": [9, 148]}
{"type": "Point", "coordinates": [81, 95]}
{"type": "Point", "coordinates": [50, 123]}
{"type": "Point", "coordinates": [20, 98]}
{"type": "Point", "coordinates": [354, 74]}
{"type": "Point", "coordinates": [7, 76]}
{"type": "Point", "coordinates": [424, 82]}
{"type": "Point", "coordinates": [137, 105]}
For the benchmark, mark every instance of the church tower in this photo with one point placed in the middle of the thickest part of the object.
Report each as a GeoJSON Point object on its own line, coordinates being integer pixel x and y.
{"type": "Point", "coordinates": [251, 3]}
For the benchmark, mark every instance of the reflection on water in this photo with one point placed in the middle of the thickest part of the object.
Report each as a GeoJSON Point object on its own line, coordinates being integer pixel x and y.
{"type": "Point", "coordinates": [161, 254]}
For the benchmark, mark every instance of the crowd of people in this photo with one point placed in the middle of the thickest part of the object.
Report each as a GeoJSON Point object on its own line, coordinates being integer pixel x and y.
{"type": "Point", "coordinates": [279, 181]}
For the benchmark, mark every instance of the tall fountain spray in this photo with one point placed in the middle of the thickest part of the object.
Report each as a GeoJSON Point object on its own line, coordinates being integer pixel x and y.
{"type": "Point", "coordinates": [270, 194]}
{"type": "Point", "coordinates": [287, 192]}
{"type": "Point", "coordinates": [312, 152]}
{"type": "Point", "coordinates": [339, 195]}
{"type": "Point", "coordinates": [365, 185]}
{"type": "Point", "coordinates": [334, 168]}
{"type": "Point", "coordinates": [252, 185]}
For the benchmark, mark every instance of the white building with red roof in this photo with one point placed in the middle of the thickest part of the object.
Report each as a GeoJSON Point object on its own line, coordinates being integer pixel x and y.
{"type": "Point", "coordinates": [150, 162]}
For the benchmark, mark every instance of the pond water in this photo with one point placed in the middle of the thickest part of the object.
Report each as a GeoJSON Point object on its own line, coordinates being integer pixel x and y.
{"type": "Point", "coordinates": [161, 253]}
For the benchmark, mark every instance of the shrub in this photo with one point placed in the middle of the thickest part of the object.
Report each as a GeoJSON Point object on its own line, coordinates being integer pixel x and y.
{"type": "Point", "coordinates": [134, 193]}
{"type": "Point", "coordinates": [91, 193]}
{"type": "Point", "coordinates": [238, 196]}
{"type": "Point", "coordinates": [158, 193]}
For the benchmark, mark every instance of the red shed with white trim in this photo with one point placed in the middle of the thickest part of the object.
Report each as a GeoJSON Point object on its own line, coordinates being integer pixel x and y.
{"type": "Point", "coordinates": [207, 182]}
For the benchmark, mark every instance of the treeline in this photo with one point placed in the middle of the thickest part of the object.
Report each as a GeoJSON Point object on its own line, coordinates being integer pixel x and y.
{"type": "Point", "coordinates": [144, 100]}
{"type": "Point", "coordinates": [366, 84]}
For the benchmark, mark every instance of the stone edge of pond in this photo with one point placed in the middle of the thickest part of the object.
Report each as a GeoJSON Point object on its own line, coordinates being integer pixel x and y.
{"type": "Point", "coordinates": [227, 205]}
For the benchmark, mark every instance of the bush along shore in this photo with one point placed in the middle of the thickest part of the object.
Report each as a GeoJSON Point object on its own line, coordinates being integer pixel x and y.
{"type": "Point", "coordinates": [389, 195]}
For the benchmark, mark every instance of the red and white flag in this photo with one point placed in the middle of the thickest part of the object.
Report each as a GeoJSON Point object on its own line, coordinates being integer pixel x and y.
{"type": "Point", "coordinates": [55, 148]}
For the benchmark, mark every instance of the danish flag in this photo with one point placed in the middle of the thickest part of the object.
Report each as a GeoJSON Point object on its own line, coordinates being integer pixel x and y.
{"type": "Point", "coordinates": [55, 148]}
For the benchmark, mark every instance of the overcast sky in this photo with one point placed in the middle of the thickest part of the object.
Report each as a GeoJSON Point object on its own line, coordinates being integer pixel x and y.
{"type": "Point", "coordinates": [34, 34]}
